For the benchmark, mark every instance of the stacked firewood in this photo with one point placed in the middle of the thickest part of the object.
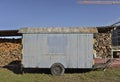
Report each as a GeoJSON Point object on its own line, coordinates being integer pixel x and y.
{"type": "Point", "coordinates": [102, 44]}
{"type": "Point", "coordinates": [10, 50]}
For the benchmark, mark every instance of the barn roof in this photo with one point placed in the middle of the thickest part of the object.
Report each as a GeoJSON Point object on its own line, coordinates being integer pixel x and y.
{"type": "Point", "coordinates": [100, 29]}
{"type": "Point", "coordinates": [10, 33]}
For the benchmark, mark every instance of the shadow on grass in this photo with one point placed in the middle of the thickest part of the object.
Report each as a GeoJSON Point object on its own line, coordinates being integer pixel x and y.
{"type": "Point", "coordinates": [47, 71]}
{"type": "Point", "coordinates": [77, 70]}
{"type": "Point", "coordinates": [15, 67]}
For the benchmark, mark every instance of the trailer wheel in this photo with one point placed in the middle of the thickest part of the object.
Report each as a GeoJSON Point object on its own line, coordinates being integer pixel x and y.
{"type": "Point", "coordinates": [57, 69]}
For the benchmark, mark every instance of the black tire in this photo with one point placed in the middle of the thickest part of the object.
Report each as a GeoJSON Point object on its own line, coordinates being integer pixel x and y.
{"type": "Point", "coordinates": [57, 69]}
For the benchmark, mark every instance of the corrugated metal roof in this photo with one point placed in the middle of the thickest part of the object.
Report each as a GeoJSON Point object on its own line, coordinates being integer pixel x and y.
{"type": "Point", "coordinates": [10, 33]}
{"type": "Point", "coordinates": [58, 30]}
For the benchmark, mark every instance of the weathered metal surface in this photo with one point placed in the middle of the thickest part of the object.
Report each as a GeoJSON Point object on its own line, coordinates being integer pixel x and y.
{"type": "Point", "coordinates": [71, 50]}
{"type": "Point", "coordinates": [58, 30]}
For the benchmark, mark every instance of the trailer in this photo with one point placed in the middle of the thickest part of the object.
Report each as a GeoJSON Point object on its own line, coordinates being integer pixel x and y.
{"type": "Point", "coordinates": [57, 48]}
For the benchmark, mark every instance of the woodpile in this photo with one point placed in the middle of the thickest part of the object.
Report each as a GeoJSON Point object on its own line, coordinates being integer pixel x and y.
{"type": "Point", "coordinates": [102, 44]}
{"type": "Point", "coordinates": [10, 50]}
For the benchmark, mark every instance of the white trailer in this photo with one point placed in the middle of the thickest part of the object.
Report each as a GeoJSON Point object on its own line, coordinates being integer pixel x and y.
{"type": "Point", "coordinates": [57, 48]}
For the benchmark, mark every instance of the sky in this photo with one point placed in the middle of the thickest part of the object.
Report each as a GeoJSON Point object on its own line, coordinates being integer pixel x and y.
{"type": "Point", "coordinates": [15, 14]}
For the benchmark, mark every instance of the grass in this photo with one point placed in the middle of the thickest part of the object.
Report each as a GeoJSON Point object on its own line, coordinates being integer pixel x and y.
{"type": "Point", "coordinates": [110, 75]}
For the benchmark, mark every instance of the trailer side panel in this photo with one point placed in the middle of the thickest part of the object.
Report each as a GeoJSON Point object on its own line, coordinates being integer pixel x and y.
{"type": "Point", "coordinates": [71, 50]}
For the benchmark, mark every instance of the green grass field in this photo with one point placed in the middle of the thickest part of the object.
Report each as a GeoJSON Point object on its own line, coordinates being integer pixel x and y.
{"type": "Point", "coordinates": [110, 75]}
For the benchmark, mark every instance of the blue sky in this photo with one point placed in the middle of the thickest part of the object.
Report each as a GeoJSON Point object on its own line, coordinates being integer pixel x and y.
{"type": "Point", "coordinates": [15, 14]}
